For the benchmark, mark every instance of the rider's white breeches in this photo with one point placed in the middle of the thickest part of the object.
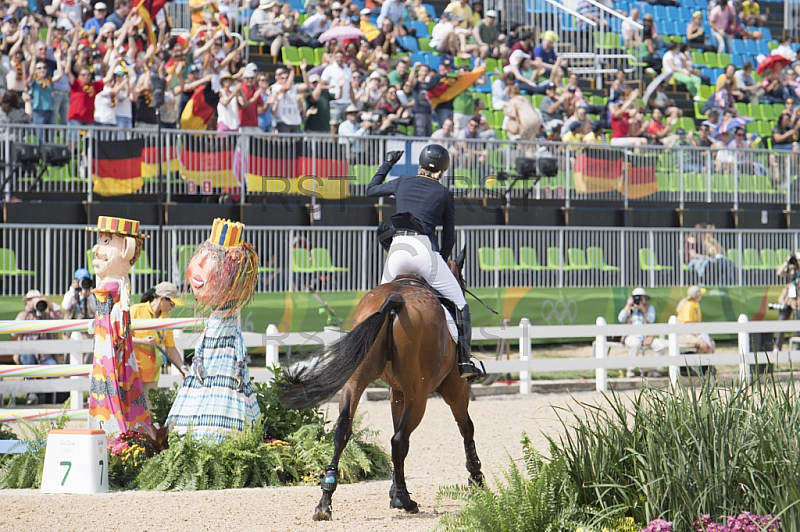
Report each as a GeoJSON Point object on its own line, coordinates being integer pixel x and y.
{"type": "Point", "coordinates": [413, 254]}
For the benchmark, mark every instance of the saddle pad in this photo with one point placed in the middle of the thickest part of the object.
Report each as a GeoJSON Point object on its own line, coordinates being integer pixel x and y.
{"type": "Point", "coordinates": [451, 325]}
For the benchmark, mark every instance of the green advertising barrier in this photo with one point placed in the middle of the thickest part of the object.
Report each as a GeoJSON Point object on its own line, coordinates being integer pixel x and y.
{"type": "Point", "coordinates": [301, 311]}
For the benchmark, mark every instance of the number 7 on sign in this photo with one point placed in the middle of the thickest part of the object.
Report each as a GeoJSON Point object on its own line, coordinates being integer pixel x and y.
{"type": "Point", "coordinates": [69, 468]}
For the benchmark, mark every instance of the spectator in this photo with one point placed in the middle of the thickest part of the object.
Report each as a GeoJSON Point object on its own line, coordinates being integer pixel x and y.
{"type": "Point", "coordinates": [696, 34]}
{"type": "Point", "coordinates": [145, 110]}
{"type": "Point", "coordinates": [105, 102]}
{"type": "Point", "coordinates": [579, 117]}
{"type": "Point", "coordinates": [720, 19]}
{"type": "Point", "coordinates": [574, 133]}
{"type": "Point", "coordinates": [688, 311]}
{"type": "Point", "coordinates": [202, 12]}
{"type": "Point", "coordinates": [17, 69]}
{"type": "Point", "coordinates": [400, 73]}
{"type": "Point", "coordinates": [650, 32]}
{"type": "Point", "coordinates": [94, 24]}
{"type": "Point", "coordinates": [660, 100]}
{"type": "Point", "coordinates": [314, 26]}
{"type": "Point", "coordinates": [386, 43]}
{"type": "Point", "coordinates": [446, 136]}
{"type": "Point", "coordinates": [266, 27]}
{"type": "Point", "coordinates": [673, 62]}
{"type": "Point", "coordinates": [596, 135]}
{"type": "Point", "coordinates": [722, 264]}
{"type": "Point", "coordinates": [499, 93]}
{"type": "Point", "coordinates": [491, 43]}
{"type": "Point", "coordinates": [554, 109]}
{"type": "Point", "coordinates": [622, 113]}
{"type": "Point", "coordinates": [56, 40]}
{"type": "Point", "coordinates": [462, 10]}
{"type": "Point", "coordinates": [592, 12]}
{"type": "Point", "coordinates": [785, 136]}
{"type": "Point", "coordinates": [473, 154]}
{"type": "Point", "coordinates": [391, 107]}
{"type": "Point", "coordinates": [37, 307]}
{"type": "Point", "coordinates": [228, 106]}
{"type": "Point", "coordinates": [264, 105]}
{"type": "Point", "coordinates": [544, 55]}
{"type": "Point", "coordinates": [617, 88]}
{"type": "Point", "coordinates": [522, 121]}
{"type": "Point", "coordinates": [79, 303]}
{"type": "Point", "coordinates": [393, 10]}
{"type": "Point", "coordinates": [703, 139]}
{"type": "Point", "coordinates": [318, 114]}
{"type": "Point", "coordinates": [83, 92]}
{"type": "Point", "coordinates": [688, 64]}
{"type": "Point", "coordinates": [789, 298]}
{"type": "Point", "coordinates": [121, 10]}
{"type": "Point", "coordinates": [477, 12]}
{"type": "Point", "coordinates": [774, 89]}
{"type": "Point", "coordinates": [656, 129]}
{"type": "Point", "coordinates": [526, 83]}
{"type": "Point", "coordinates": [349, 131]}
{"type": "Point", "coordinates": [422, 104]}
{"type": "Point", "coordinates": [728, 76]}
{"type": "Point", "coordinates": [250, 95]}
{"type": "Point", "coordinates": [338, 77]}
{"type": "Point", "coordinates": [721, 100]}
{"type": "Point", "coordinates": [631, 35]}
{"type": "Point", "coordinates": [639, 311]}
{"type": "Point", "coordinates": [652, 42]}
{"type": "Point", "coordinates": [285, 107]}
{"type": "Point", "coordinates": [525, 43]}
{"type": "Point", "coordinates": [751, 13]}
{"type": "Point", "coordinates": [40, 88]}
{"type": "Point", "coordinates": [369, 29]}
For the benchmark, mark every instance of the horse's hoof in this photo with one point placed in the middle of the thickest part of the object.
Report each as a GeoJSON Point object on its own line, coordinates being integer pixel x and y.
{"type": "Point", "coordinates": [409, 506]}
{"type": "Point", "coordinates": [476, 480]}
{"type": "Point", "coordinates": [322, 514]}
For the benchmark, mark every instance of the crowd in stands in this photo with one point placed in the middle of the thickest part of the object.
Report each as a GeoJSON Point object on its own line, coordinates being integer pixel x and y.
{"type": "Point", "coordinates": [374, 70]}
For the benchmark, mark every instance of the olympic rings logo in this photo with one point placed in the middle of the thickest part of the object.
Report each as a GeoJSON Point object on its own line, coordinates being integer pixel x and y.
{"type": "Point", "coordinates": [559, 312]}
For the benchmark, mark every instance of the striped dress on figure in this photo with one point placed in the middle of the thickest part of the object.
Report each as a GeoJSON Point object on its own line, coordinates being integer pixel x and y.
{"type": "Point", "coordinates": [214, 407]}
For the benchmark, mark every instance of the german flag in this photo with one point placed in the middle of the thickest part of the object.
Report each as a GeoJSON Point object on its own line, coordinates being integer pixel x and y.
{"type": "Point", "coordinates": [449, 88]}
{"type": "Point", "coordinates": [324, 174]}
{"type": "Point", "coordinates": [117, 167]}
{"type": "Point", "coordinates": [597, 170]}
{"type": "Point", "coordinates": [147, 10]}
{"type": "Point", "coordinates": [200, 108]}
{"type": "Point", "coordinates": [272, 165]}
{"type": "Point", "coordinates": [642, 179]}
{"type": "Point", "coordinates": [169, 161]}
{"type": "Point", "coordinates": [208, 159]}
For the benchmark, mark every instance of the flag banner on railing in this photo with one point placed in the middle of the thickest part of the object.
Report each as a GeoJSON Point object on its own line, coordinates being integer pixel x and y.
{"type": "Point", "coordinates": [200, 108]}
{"type": "Point", "coordinates": [322, 170]}
{"type": "Point", "coordinates": [272, 166]}
{"type": "Point", "coordinates": [597, 170]}
{"type": "Point", "coordinates": [170, 162]}
{"type": "Point", "coordinates": [641, 177]}
{"type": "Point", "coordinates": [449, 88]}
{"type": "Point", "coordinates": [208, 160]}
{"type": "Point", "coordinates": [117, 168]}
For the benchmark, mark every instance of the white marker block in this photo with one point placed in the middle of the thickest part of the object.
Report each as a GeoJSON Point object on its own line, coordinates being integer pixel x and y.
{"type": "Point", "coordinates": [76, 461]}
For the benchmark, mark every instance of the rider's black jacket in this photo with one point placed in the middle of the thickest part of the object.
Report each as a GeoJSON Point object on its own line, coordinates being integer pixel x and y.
{"type": "Point", "coordinates": [428, 200]}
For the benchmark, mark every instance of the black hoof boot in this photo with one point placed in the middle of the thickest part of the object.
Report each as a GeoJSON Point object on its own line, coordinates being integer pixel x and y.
{"type": "Point", "coordinates": [404, 502]}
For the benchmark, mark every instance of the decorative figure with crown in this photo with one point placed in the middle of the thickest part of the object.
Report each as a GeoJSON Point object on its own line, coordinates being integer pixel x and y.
{"type": "Point", "coordinates": [116, 400]}
{"type": "Point", "coordinates": [217, 397]}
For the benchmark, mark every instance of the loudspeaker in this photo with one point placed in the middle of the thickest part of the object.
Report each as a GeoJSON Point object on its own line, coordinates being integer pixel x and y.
{"type": "Point", "coordinates": [55, 154]}
{"type": "Point", "coordinates": [539, 167]}
{"type": "Point", "coordinates": [25, 153]}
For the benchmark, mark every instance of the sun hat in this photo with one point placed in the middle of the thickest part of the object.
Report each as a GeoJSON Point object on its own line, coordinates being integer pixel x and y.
{"type": "Point", "coordinates": [313, 78]}
{"type": "Point", "coordinates": [32, 294]}
{"type": "Point", "coordinates": [640, 292]}
{"type": "Point", "coordinates": [101, 6]}
{"type": "Point", "coordinates": [351, 109]}
{"type": "Point", "coordinates": [117, 226]}
{"type": "Point", "coordinates": [490, 14]}
{"type": "Point", "coordinates": [365, 11]}
{"type": "Point", "coordinates": [695, 291]}
{"type": "Point", "coordinates": [170, 291]}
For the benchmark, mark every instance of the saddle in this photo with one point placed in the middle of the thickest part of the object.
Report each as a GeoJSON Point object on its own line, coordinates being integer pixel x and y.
{"type": "Point", "coordinates": [416, 281]}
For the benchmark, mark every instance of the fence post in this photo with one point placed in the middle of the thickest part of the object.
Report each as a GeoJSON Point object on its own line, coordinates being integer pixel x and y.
{"type": "Point", "coordinates": [525, 354]}
{"type": "Point", "coordinates": [270, 347]}
{"type": "Point", "coordinates": [674, 352]}
{"type": "Point", "coordinates": [76, 359]}
{"type": "Point", "coordinates": [600, 350]}
{"type": "Point", "coordinates": [744, 351]}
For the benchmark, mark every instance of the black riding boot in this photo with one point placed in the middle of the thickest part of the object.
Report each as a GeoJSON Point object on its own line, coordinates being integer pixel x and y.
{"type": "Point", "coordinates": [466, 367]}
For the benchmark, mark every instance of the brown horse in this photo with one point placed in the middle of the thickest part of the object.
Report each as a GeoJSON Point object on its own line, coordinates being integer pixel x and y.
{"type": "Point", "coordinates": [400, 336]}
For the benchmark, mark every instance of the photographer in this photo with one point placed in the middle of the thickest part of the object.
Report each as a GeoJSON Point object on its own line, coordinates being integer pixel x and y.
{"type": "Point", "coordinates": [788, 302]}
{"type": "Point", "coordinates": [37, 307]}
{"type": "Point", "coordinates": [638, 311]}
{"type": "Point", "coordinates": [79, 303]}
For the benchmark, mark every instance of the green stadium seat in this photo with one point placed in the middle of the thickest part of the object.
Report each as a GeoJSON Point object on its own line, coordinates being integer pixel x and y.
{"type": "Point", "coordinates": [142, 266]}
{"type": "Point", "coordinates": [782, 254]}
{"type": "Point", "coordinates": [577, 259]}
{"type": "Point", "coordinates": [363, 173]}
{"type": "Point", "coordinates": [183, 254]}
{"type": "Point", "coordinates": [721, 183]}
{"type": "Point", "coordinates": [596, 258]}
{"type": "Point", "coordinates": [529, 260]}
{"type": "Point", "coordinates": [763, 185]}
{"type": "Point", "coordinates": [321, 259]}
{"type": "Point", "coordinates": [723, 59]}
{"type": "Point", "coordinates": [318, 53]}
{"type": "Point", "coordinates": [733, 256]}
{"type": "Point", "coordinates": [425, 44]}
{"type": "Point", "coordinates": [712, 60]}
{"type": "Point", "coordinates": [492, 65]}
{"type": "Point", "coordinates": [770, 259]}
{"type": "Point", "coordinates": [645, 263]}
{"type": "Point", "coordinates": [307, 53]}
{"type": "Point", "coordinates": [698, 110]}
{"type": "Point", "coordinates": [706, 91]}
{"type": "Point", "coordinates": [506, 259]}
{"type": "Point", "coordinates": [290, 55]}
{"type": "Point", "coordinates": [301, 261]}
{"type": "Point", "coordinates": [750, 259]}
{"type": "Point", "coordinates": [8, 263]}
{"type": "Point", "coordinates": [555, 261]}
{"type": "Point", "coordinates": [768, 112]}
{"type": "Point", "coordinates": [698, 59]}
{"type": "Point", "coordinates": [741, 108]}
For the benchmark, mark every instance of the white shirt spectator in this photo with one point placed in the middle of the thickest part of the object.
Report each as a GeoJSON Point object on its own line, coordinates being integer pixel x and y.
{"type": "Point", "coordinates": [348, 130]}
{"type": "Point", "coordinates": [73, 9]}
{"type": "Point", "coordinates": [124, 107]}
{"type": "Point", "coordinates": [394, 10]}
{"type": "Point", "coordinates": [499, 94]}
{"type": "Point", "coordinates": [104, 113]}
{"type": "Point", "coordinates": [287, 111]}
{"type": "Point", "coordinates": [439, 32]}
{"type": "Point", "coordinates": [630, 32]}
{"type": "Point", "coordinates": [669, 62]}
{"type": "Point", "coordinates": [229, 114]}
{"type": "Point", "coordinates": [315, 25]}
{"type": "Point", "coordinates": [338, 79]}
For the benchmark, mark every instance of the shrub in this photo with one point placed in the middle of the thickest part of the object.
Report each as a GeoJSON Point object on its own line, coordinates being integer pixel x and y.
{"type": "Point", "coordinates": [24, 470]}
{"type": "Point", "coordinates": [674, 453]}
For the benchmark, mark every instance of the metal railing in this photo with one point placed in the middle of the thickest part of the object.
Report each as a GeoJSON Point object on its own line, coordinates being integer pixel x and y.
{"type": "Point", "coordinates": [349, 258]}
{"type": "Point", "coordinates": [333, 167]}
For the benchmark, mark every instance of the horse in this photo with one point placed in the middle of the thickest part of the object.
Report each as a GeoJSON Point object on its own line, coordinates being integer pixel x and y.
{"type": "Point", "coordinates": [400, 336]}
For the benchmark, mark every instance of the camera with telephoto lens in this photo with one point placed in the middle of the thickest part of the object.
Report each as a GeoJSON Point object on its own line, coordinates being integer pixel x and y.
{"type": "Point", "coordinates": [637, 300]}
{"type": "Point", "coordinates": [86, 283]}
{"type": "Point", "coordinates": [777, 306]}
{"type": "Point", "coordinates": [40, 307]}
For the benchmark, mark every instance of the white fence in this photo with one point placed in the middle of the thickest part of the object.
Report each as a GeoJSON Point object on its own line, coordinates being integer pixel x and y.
{"type": "Point", "coordinates": [272, 341]}
{"type": "Point", "coordinates": [45, 257]}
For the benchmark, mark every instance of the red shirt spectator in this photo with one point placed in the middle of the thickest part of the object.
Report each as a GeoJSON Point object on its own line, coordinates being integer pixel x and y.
{"type": "Point", "coordinates": [619, 126]}
{"type": "Point", "coordinates": [655, 128]}
{"type": "Point", "coordinates": [248, 115]}
{"type": "Point", "coordinates": [81, 98]}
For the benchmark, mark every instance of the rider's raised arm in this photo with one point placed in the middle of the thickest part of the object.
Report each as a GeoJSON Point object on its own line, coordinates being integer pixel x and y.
{"type": "Point", "coordinates": [448, 226]}
{"type": "Point", "coordinates": [377, 187]}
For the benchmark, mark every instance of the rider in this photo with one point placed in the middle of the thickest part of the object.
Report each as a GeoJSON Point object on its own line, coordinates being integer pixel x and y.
{"type": "Point", "coordinates": [422, 204]}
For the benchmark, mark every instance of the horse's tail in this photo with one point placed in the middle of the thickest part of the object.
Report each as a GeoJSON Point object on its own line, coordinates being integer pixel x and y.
{"type": "Point", "coordinates": [330, 367]}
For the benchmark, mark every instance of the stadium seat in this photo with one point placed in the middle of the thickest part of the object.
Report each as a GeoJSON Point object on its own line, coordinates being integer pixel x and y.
{"type": "Point", "coordinates": [766, 34]}
{"type": "Point", "coordinates": [8, 263]}
{"type": "Point", "coordinates": [698, 110]}
{"type": "Point", "coordinates": [646, 265]}
{"type": "Point", "coordinates": [596, 258]}
{"type": "Point", "coordinates": [770, 259]}
{"type": "Point", "coordinates": [142, 266]}
{"type": "Point", "coordinates": [529, 260]}
{"type": "Point", "coordinates": [424, 44]}
{"type": "Point", "coordinates": [307, 53]}
{"type": "Point", "coordinates": [408, 43]}
{"type": "Point", "coordinates": [577, 259]}
{"type": "Point", "coordinates": [698, 58]}
{"type": "Point", "coordinates": [723, 59]}
{"type": "Point", "coordinates": [321, 259]}
{"type": "Point", "coordinates": [555, 261]}
{"type": "Point", "coordinates": [705, 91]}
{"type": "Point", "coordinates": [290, 55]}
{"type": "Point", "coordinates": [741, 108]}
{"type": "Point", "coordinates": [318, 53]}
{"type": "Point", "coordinates": [712, 60]}
{"type": "Point", "coordinates": [301, 261]}
{"type": "Point", "coordinates": [183, 254]}
{"type": "Point", "coordinates": [422, 29]}
{"type": "Point", "coordinates": [495, 259]}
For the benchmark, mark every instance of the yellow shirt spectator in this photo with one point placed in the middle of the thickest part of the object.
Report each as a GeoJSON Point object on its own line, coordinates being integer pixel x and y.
{"type": "Point", "coordinates": [572, 137]}
{"type": "Point", "coordinates": [370, 30]}
{"type": "Point", "coordinates": [592, 138]}
{"type": "Point", "coordinates": [751, 7]}
{"type": "Point", "coordinates": [463, 10]}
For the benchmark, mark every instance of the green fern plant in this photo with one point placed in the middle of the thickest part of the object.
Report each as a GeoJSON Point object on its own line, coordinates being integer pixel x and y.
{"type": "Point", "coordinates": [6, 433]}
{"type": "Point", "coordinates": [24, 470]}
{"type": "Point", "coordinates": [160, 402]}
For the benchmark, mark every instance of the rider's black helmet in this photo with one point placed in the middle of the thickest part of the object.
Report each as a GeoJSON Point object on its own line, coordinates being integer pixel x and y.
{"type": "Point", "coordinates": [434, 158]}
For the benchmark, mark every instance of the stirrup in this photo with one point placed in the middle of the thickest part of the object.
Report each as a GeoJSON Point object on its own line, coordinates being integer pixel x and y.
{"type": "Point", "coordinates": [470, 371]}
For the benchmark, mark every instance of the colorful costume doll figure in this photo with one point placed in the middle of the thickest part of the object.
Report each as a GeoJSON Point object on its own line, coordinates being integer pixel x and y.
{"type": "Point", "coordinates": [217, 397]}
{"type": "Point", "coordinates": [116, 401]}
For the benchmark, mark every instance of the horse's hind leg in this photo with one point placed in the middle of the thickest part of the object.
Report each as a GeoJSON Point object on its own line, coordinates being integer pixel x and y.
{"type": "Point", "coordinates": [348, 403]}
{"type": "Point", "coordinates": [406, 414]}
{"type": "Point", "coordinates": [455, 392]}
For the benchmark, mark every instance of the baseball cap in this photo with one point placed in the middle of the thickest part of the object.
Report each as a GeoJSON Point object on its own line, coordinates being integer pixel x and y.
{"type": "Point", "coordinates": [491, 13]}
{"type": "Point", "coordinates": [336, 5]}
{"type": "Point", "coordinates": [366, 11]}
{"type": "Point", "coordinates": [250, 70]}
{"type": "Point", "coordinates": [695, 291]}
{"type": "Point", "coordinates": [640, 292]}
{"type": "Point", "coordinates": [550, 35]}
{"type": "Point", "coordinates": [550, 85]}
{"type": "Point", "coordinates": [313, 78]}
{"type": "Point", "coordinates": [574, 125]}
{"type": "Point", "coordinates": [101, 6]}
{"type": "Point", "coordinates": [193, 68]}
{"type": "Point", "coordinates": [82, 273]}
{"type": "Point", "coordinates": [169, 291]}
{"type": "Point", "coordinates": [517, 56]}
{"type": "Point", "coordinates": [681, 132]}
{"type": "Point", "coordinates": [64, 24]}
{"type": "Point", "coordinates": [447, 62]}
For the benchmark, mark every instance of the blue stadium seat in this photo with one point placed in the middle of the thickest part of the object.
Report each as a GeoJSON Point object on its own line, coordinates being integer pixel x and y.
{"type": "Point", "coordinates": [673, 13]}
{"type": "Point", "coordinates": [766, 34]}
{"type": "Point", "coordinates": [796, 46]}
{"type": "Point", "coordinates": [431, 10]}
{"type": "Point", "coordinates": [419, 57]}
{"type": "Point", "coordinates": [659, 12]}
{"type": "Point", "coordinates": [433, 60]}
{"type": "Point", "coordinates": [752, 47]}
{"type": "Point", "coordinates": [409, 43]}
{"type": "Point", "coordinates": [739, 46]}
{"type": "Point", "coordinates": [763, 47]}
{"type": "Point", "coordinates": [297, 5]}
{"type": "Point", "coordinates": [422, 28]}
